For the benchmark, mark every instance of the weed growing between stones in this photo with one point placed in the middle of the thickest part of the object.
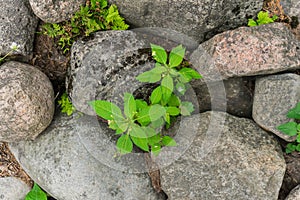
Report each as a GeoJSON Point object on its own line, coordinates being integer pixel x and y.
{"type": "Point", "coordinates": [140, 123]}
{"type": "Point", "coordinates": [292, 129]}
{"type": "Point", "coordinates": [14, 47]}
{"type": "Point", "coordinates": [262, 18]}
{"type": "Point", "coordinates": [65, 105]}
{"type": "Point", "coordinates": [36, 193]}
{"type": "Point", "coordinates": [94, 16]}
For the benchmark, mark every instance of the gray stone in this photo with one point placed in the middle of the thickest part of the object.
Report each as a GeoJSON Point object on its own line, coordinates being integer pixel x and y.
{"type": "Point", "coordinates": [248, 51]}
{"type": "Point", "coordinates": [229, 158]}
{"type": "Point", "coordinates": [26, 101]}
{"type": "Point", "coordinates": [238, 99]}
{"type": "Point", "coordinates": [61, 161]}
{"type": "Point", "coordinates": [274, 96]}
{"type": "Point", "coordinates": [17, 24]}
{"type": "Point", "coordinates": [291, 7]}
{"type": "Point", "coordinates": [294, 194]}
{"type": "Point", "coordinates": [55, 11]}
{"type": "Point", "coordinates": [12, 188]}
{"type": "Point", "coordinates": [106, 66]}
{"type": "Point", "coordinates": [198, 19]}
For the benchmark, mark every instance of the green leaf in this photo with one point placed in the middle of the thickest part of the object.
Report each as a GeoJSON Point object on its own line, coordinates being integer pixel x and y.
{"type": "Point", "coordinates": [129, 105]}
{"type": "Point", "coordinates": [113, 125]}
{"type": "Point", "coordinates": [155, 149]}
{"type": "Point", "coordinates": [298, 147]}
{"type": "Point", "coordinates": [298, 138]}
{"type": "Point", "coordinates": [140, 104]}
{"type": "Point", "coordinates": [298, 128]}
{"type": "Point", "coordinates": [290, 148]}
{"type": "Point", "coordinates": [156, 95]}
{"type": "Point", "coordinates": [167, 118]}
{"type": "Point", "coordinates": [148, 77]}
{"type": "Point", "coordinates": [189, 73]}
{"type": "Point", "coordinates": [142, 143]}
{"type": "Point", "coordinates": [143, 116]}
{"type": "Point", "coordinates": [174, 101]}
{"type": "Point", "coordinates": [158, 123]}
{"type": "Point", "coordinates": [154, 140]}
{"type": "Point", "coordinates": [124, 144]}
{"type": "Point", "coordinates": [251, 23]}
{"type": "Point", "coordinates": [150, 131]}
{"type": "Point", "coordinates": [180, 87]}
{"type": "Point", "coordinates": [176, 56]}
{"type": "Point", "coordinates": [168, 141]}
{"type": "Point", "coordinates": [156, 111]}
{"type": "Point", "coordinates": [295, 112]}
{"type": "Point", "coordinates": [106, 109]}
{"type": "Point", "coordinates": [186, 108]}
{"type": "Point", "coordinates": [167, 87]}
{"type": "Point", "coordinates": [274, 17]}
{"type": "Point", "coordinates": [289, 128]}
{"type": "Point", "coordinates": [159, 54]}
{"type": "Point", "coordinates": [158, 69]}
{"type": "Point", "coordinates": [137, 131]}
{"type": "Point", "coordinates": [36, 194]}
{"type": "Point", "coordinates": [173, 111]}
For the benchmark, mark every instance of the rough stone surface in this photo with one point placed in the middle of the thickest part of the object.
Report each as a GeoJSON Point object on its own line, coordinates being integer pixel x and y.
{"type": "Point", "coordinates": [294, 194]}
{"type": "Point", "coordinates": [55, 11]}
{"type": "Point", "coordinates": [13, 189]}
{"type": "Point", "coordinates": [249, 51]}
{"type": "Point", "coordinates": [106, 66]}
{"type": "Point", "coordinates": [17, 24]}
{"type": "Point", "coordinates": [244, 161]}
{"type": "Point", "coordinates": [291, 7]}
{"type": "Point", "coordinates": [238, 100]}
{"type": "Point", "coordinates": [198, 19]}
{"type": "Point", "coordinates": [274, 96]}
{"type": "Point", "coordinates": [60, 161]}
{"type": "Point", "coordinates": [26, 101]}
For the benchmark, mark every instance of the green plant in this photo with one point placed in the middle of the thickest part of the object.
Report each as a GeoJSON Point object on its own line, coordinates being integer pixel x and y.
{"type": "Point", "coordinates": [141, 123]}
{"type": "Point", "coordinates": [292, 129]}
{"type": "Point", "coordinates": [36, 193]}
{"type": "Point", "coordinates": [262, 18]}
{"type": "Point", "coordinates": [95, 15]}
{"type": "Point", "coordinates": [66, 105]}
{"type": "Point", "coordinates": [14, 47]}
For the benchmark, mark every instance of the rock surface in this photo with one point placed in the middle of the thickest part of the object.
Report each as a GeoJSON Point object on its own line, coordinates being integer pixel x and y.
{"type": "Point", "coordinates": [55, 11]}
{"type": "Point", "coordinates": [106, 66]}
{"type": "Point", "coordinates": [61, 163]}
{"type": "Point", "coordinates": [17, 24]}
{"type": "Point", "coordinates": [27, 102]}
{"type": "Point", "coordinates": [294, 194]}
{"type": "Point", "coordinates": [274, 96]}
{"type": "Point", "coordinates": [245, 162]}
{"type": "Point", "coordinates": [198, 19]}
{"type": "Point", "coordinates": [249, 51]}
{"type": "Point", "coordinates": [13, 189]}
{"type": "Point", "coordinates": [291, 7]}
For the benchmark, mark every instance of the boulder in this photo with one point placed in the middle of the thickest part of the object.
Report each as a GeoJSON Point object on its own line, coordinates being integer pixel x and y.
{"type": "Point", "coordinates": [248, 51]}
{"type": "Point", "coordinates": [62, 162]}
{"type": "Point", "coordinates": [228, 158]}
{"type": "Point", "coordinates": [26, 101]}
{"type": "Point", "coordinates": [12, 188]}
{"type": "Point", "coordinates": [55, 11]}
{"type": "Point", "coordinates": [17, 25]}
{"type": "Point", "coordinates": [197, 19]}
{"type": "Point", "coordinates": [291, 7]}
{"type": "Point", "coordinates": [274, 96]}
{"type": "Point", "coordinates": [294, 194]}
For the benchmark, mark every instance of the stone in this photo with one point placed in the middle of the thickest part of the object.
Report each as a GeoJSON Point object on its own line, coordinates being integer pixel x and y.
{"type": "Point", "coordinates": [291, 7]}
{"type": "Point", "coordinates": [294, 194]}
{"type": "Point", "coordinates": [17, 24]}
{"type": "Point", "coordinates": [12, 188]}
{"type": "Point", "coordinates": [61, 161]}
{"type": "Point", "coordinates": [197, 19]}
{"type": "Point", "coordinates": [228, 158]}
{"type": "Point", "coordinates": [26, 101]}
{"type": "Point", "coordinates": [238, 96]}
{"type": "Point", "coordinates": [55, 11]}
{"type": "Point", "coordinates": [248, 51]}
{"type": "Point", "coordinates": [274, 96]}
{"type": "Point", "coordinates": [106, 66]}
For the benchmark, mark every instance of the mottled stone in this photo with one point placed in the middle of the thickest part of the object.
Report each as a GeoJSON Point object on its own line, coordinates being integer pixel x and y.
{"type": "Point", "coordinates": [26, 101]}
{"type": "Point", "coordinates": [62, 163]}
{"type": "Point", "coordinates": [12, 188]}
{"type": "Point", "coordinates": [274, 96]}
{"type": "Point", "coordinates": [291, 7]}
{"type": "Point", "coordinates": [55, 11]}
{"type": "Point", "coordinates": [17, 24]}
{"type": "Point", "coordinates": [106, 66]}
{"type": "Point", "coordinates": [238, 96]}
{"type": "Point", "coordinates": [198, 19]}
{"type": "Point", "coordinates": [294, 194]}
{"type": "Point", "coordinates": [249, 51]}
{"type": "Point", "coordinates": [229, 158]}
